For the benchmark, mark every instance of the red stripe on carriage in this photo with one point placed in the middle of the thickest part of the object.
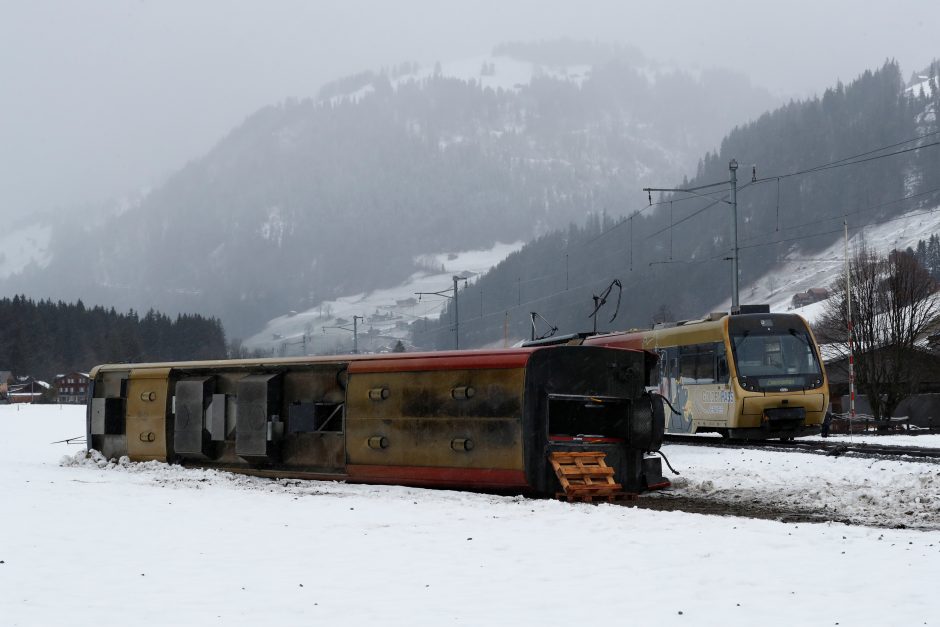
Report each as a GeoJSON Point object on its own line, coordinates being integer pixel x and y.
{"type": "Point", "coordinates": [434, 476]}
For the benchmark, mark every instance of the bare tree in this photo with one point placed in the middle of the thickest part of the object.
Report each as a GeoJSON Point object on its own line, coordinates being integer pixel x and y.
{"type": "Point", "coordinates": [893, 307]}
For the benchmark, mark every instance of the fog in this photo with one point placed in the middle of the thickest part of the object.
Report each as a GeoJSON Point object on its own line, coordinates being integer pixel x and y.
{"type": "Point", "coordinates": [101, 99]}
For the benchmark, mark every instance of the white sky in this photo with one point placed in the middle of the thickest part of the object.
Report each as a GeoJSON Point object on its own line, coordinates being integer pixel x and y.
{"type": "Point", "coordinates": [101, 98]}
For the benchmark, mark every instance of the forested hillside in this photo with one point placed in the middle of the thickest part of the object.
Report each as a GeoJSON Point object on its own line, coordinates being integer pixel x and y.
{"type": "Point", "coordinates": [672, 255]}
{"type": "Point", "coordinates": [311, 199]}
{"type": "Point", "coordinates": [46, 338]}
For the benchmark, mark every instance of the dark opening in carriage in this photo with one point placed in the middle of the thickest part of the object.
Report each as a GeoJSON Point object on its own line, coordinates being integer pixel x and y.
{"type": "Point", "coordinates": [587, 417]}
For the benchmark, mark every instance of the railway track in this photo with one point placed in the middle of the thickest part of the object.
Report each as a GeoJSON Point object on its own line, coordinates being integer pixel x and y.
{"type": "Point", "coordinates": [812, 446]}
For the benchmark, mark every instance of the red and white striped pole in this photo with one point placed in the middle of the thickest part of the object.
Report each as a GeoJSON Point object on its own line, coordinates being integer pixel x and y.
{"type": "Point", "coordinates": [848, 301]}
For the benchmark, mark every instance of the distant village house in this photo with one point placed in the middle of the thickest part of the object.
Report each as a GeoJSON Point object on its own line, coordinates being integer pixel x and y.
{"type": "Point", "coordinates": [71, 388]}
{"type": "Point", "coordinates": [26, 390]}
{"type": "Point", "coordinates": [810, 296]}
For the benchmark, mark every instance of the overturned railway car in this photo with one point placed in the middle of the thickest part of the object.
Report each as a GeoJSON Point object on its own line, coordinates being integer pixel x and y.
{"type": "Point", "coordinates": [479, 420]}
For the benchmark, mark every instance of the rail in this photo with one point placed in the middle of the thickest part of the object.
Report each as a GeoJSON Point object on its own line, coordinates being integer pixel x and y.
{"type": "Point", "coordinates": [811, 446]}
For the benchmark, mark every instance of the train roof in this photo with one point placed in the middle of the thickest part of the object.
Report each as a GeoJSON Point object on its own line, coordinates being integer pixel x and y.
{"type": "Point", "coordinates": [487, 358]}
{"type": "Point", "coordinates": [701, 330]}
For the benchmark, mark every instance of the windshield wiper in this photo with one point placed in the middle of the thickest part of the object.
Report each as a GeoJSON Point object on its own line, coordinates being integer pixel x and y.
{"type": "Point", "coordinates": [799, 336]}
{"type": "Point", "coordinates": [738, 342]}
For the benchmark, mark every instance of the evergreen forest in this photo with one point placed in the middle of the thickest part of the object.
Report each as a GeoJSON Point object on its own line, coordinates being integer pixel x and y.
{"type": "Point", "coordinates": [45, 338]}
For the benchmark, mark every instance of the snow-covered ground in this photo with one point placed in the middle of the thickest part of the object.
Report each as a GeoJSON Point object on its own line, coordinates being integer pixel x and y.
{"type": "Point", "coordinates": [84, 543]}
{"type": "Point", "coordinates": [387, 312]}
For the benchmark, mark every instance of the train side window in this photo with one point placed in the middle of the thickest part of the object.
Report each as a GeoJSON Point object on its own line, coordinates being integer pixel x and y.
{"type": "Point", "coordinates": [705, 366]}
{"type": "Point", "coordinates": [697, 364]}
{"type": "Point", "coordinates": [687, 368]}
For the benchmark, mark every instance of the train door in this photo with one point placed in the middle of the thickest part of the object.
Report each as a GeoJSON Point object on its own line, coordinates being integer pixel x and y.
{"type": "Point", "coordinates": [671, 389]}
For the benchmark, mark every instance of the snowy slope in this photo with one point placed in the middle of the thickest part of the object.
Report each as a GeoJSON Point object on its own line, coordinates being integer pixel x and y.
{"type": "Point", "coordinates": [803, 270]}
{"type": "Point", "coordinates": [922, 83]}
{"type": "Point", "coordinates": [387, 312]}
{"type": "Point", "coordinates": [118, 544]}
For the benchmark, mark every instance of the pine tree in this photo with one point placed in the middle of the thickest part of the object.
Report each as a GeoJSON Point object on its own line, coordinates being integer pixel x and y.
{"type": "Point", "coordinates": [933, 256]}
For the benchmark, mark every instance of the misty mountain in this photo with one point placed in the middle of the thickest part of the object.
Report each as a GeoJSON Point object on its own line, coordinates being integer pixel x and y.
{"type": "Point", "coordinates": [796, 184]}
{"type": "Point", "coordinates": [310, 199]}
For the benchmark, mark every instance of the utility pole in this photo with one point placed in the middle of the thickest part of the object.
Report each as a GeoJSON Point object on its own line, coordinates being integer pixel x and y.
{"type": "Point", "coordinates": [456, 311]}
{"type": "Point", "coordinates": [694, 191]}
{"type": "Point", "coordinates": [456, 316]}
{"type": "Point", "coordinates": [733, 166]}
{"type": "Point", "coordinates": [356, 320]}
{"type": "Point", "coordinates": [354, 330]}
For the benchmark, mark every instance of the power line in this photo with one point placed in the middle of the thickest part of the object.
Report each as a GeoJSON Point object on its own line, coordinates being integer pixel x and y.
{"type": "Point", "coordinates": [843, 162]}
{"type": "Point", "coordinates": [854, 212]}
{"type": "Point", "coordinates": [847, 162]}
{"type": "Point", "coordinates": [854, 228]}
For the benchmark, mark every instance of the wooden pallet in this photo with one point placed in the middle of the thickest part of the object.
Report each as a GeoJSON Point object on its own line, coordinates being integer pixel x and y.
{"type": "Point", "coordinates": [586, 477]}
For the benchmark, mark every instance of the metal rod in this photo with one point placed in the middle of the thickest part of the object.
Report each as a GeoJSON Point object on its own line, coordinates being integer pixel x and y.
{"type": "Point", "coordinates": [733, 166]}
{"type": "Point", "coordinates": [456, 316]}
{"type": "Point", "coordinates": [356, 320]}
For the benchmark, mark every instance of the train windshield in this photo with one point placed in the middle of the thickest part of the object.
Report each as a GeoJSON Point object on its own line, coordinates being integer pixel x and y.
{"type": "Point", "coordinates": [774, 353]}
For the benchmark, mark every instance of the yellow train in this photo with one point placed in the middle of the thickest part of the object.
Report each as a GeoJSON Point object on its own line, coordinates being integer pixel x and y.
{"type": "Point", "coordinates": [748, 375]}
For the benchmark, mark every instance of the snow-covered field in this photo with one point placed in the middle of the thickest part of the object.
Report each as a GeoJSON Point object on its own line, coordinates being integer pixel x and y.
{"type": "Point", "coordinates": [89, 543]}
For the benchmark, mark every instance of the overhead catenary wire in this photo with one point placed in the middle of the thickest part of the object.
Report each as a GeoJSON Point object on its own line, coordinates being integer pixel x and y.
{"type": "Point", "coordinates": [864, 157]}
{"type": "Point", "coordinates": [851, 159]}
{"type": "Point", "coordinates": [843, 215]}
